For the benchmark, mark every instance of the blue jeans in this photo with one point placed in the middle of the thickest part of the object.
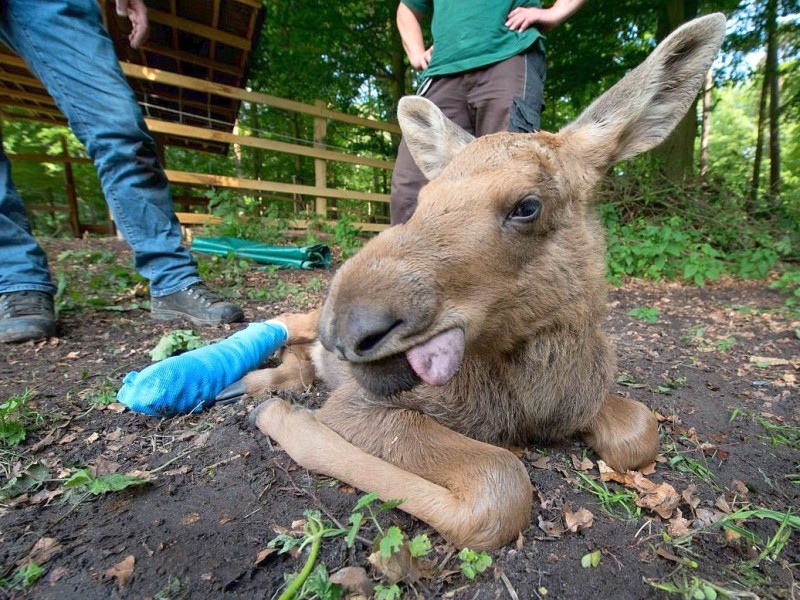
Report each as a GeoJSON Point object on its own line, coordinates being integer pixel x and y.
{"type": "Point", "coordinates": [67, 48]}
{"type": "Point", "coordinates": [504, 96]}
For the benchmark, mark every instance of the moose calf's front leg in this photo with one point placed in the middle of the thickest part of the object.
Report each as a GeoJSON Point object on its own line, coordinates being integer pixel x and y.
{"type": "Point", "coordinates": [624, 433]}
{"type": "Point", "coordinates": [474, 494]}
{"type": "Point", "coordinates": [485, 493]}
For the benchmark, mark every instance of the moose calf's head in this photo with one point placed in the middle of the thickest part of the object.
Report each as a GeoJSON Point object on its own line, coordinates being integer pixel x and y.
{"type": "Point", "coordinates": [504, 243]}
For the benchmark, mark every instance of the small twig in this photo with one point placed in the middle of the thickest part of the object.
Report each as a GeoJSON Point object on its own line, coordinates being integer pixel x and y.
{"type": "Point", "coordinates": [267, 487]}
{"type": "Point", "coordinates": [172, 460]}
{"type": "Point", "coordinates": [319, 503]}
{"type": "Point", "coordinates": [445, 560]}
{"type": "Point", "coordinates": [250, 514]}
{"type": "Point", "coordinates": [511, 591]}
{"type": "Point", "coordinates": [222, 462]}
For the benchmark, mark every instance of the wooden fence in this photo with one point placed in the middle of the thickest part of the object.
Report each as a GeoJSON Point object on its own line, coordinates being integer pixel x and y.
{"type": "Point", "coordinates": [320, 192]}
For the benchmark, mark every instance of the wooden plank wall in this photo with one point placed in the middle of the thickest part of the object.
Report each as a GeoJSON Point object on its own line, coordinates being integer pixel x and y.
{"type": "Point", "coordinates": [319, 192]}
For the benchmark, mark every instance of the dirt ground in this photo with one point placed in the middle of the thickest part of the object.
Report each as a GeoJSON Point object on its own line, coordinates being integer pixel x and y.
{"type": "Point", "coordinates": [719, 366]}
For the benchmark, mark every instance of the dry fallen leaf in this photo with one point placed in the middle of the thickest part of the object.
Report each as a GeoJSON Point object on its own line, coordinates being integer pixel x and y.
{"type": "Point", "coordinates": [43, 550]}
{"type": "Point", "coordinates": [767, 361]}
{"type": "Point", "coordinates": [661, 498]}
{"type": "Point", "coordinates": [104, 467]}
{"type": "Point", "coordinates": [704, 517]}
{"type": "Point", "coordinates": [731, 535]}
{"type": "Point", "coordinates": [517, 451]}
{"type": "Point", "coordinates": [541, 463]}
{"type": "Point", "coordinates": [122, 571]}
{"type": "Point", "coordinates": [609, 474]}
{"type": "Point", "coordinates": [723, 505]}
{"type": "Point", "coordinates": [551, 528]}
{"type": "Point", "coordinates": [581, 465]}
{"type": "Point", "coordinates": [264, 554]}
{"type": "Point", "coordinates": [677, 525]}
{"type": "Point", "coordinates": [649, 469]}
{"type": "Point", "coordinates": [689, 497]}
{"type": "Point", "coordinates": [57, 574]}
{"type": "Point", "coordinates": [201, 440]}
{"type": "Point", "coordinates": [399, 566]}
{"type": "Point", "coordinates": [190, 518]}
{"type": "Point", "coordinates": [354, 580]}
{"type": "Point", "coordinates": [578, 520]}
{"type": "Point", "coordinates": [740, 488]}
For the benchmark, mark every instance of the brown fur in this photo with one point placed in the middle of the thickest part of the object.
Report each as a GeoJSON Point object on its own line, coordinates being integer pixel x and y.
{"type": "Point", "coordinates": [529, 297]}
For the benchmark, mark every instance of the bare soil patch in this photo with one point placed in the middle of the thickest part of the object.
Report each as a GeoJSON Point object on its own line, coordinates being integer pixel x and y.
{"type": "Point", "coordinates": [719, 366]}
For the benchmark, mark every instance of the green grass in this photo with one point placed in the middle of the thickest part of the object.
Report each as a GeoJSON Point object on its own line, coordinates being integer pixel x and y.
{"type": "Point", "coordinates": [619, 502]}
{"type": "Point", "coordinates": [780, 435]}
{"type": "Point", "coordinates": [686, 455]}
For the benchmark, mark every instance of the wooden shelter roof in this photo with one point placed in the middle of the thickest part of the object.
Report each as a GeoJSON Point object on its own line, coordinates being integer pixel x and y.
{"type": "Point", "coordinates": [205, 39]}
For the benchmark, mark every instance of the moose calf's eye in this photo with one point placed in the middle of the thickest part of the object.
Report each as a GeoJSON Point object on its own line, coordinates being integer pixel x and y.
{"type": "Point", "coordinates": [527, 210]}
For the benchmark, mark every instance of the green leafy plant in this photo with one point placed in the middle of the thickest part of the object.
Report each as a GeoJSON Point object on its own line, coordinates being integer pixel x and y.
{"type": "Point", "coordinates": [725, 344]}
{"type": "Point", "coordinates": [789, 283]}
{"type": "Point", "coordinates": [16, 418]}
{"type": "Point", "coordinates": [23, 578]}
{"type": "Point", "coordinates": [390, 592]}
{"type": "Point", "coordinates": [672, 383]}
{"type": "Point", "coordinates": [175, 342]}
{"type": "Point", "coordinates": [473, 563]}
{"type": "Point", "coordinates": [387, 542]}
{"type": "Point", "coordinates": [27, 480]}
{"type": "Point", "coordinates": [314, 531]}
{"type": "Point", "coordinates": [592, 559]}
{"type": "Point", "coordinates": [245, 217]}
{"type": "Point", "coordinates": [82, 484]}
{"type": "Point", "coordinates": [648, 314]}
{"type": "Point", "coordinates": [175, 589]}
{"type": "Point", "coordinates": [345, 235]}
{"type": "Point", "coordinates": [319, 585]}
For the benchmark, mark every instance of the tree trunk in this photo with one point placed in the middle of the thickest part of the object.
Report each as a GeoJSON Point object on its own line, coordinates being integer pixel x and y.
{"type": "Point", "coordinates": [676, 154]}
{"type": "Point", "coordinates": [400, 82]}
{"type": "Point", "coordinates": [706, 129]}
{"type": "Point", "coordinates": [759, 153]}
{"type": "Point", "coordinates": [771, 74]}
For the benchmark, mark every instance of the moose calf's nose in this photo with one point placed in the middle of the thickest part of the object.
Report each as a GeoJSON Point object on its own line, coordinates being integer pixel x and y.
{"type": "Point", "coordinates": [362, 329]}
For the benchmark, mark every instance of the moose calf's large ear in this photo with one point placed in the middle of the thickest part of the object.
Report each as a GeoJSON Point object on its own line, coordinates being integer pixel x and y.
{"type": "Point", "coordinates": [641, 110]}
{"type": "Point", "coordinates": [432, 138]}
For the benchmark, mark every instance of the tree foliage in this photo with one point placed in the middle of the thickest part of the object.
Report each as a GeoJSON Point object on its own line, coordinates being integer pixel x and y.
{"type": "Point", "coordinates": [348, 56]}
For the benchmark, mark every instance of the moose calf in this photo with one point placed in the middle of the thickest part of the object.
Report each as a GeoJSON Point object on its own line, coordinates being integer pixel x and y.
{"type": "Point", "coordinates": [478, 324]}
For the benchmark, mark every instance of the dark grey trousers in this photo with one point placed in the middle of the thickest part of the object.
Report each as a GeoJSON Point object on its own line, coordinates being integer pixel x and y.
{"type": "Point", "coordinates": [505, 96]}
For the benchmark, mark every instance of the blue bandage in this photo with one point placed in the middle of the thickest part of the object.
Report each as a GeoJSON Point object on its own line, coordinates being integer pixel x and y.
{"type": "Point", "coordinates": [191, 381]}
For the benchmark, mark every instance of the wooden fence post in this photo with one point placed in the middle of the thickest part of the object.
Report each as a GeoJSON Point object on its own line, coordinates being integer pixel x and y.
{"type": "Point", "coordinates": [72, 197]}
{"type": "Point", "coordinates": [320, 165]}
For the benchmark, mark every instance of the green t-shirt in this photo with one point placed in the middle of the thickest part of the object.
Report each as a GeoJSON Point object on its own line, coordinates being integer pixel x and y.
{"type": "Point", "coordinates": [468, 34]}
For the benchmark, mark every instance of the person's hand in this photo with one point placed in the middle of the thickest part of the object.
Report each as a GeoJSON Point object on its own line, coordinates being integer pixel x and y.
{"type": "Point", "coordinates": [522, 17]}
{"type": "Point", "coordinates": [136, 11]}
{"type": "Point", "coordinates": [421, 61]}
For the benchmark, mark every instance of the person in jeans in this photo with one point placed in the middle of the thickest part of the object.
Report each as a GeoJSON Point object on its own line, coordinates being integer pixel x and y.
{"type": "Point", "coordinates": [66, 46]}
{"type": "Point", "coordinates": [485, 71]}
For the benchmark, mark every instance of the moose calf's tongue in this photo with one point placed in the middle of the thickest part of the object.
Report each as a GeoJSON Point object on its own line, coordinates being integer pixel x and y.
{"type": "Point", "coordinates": [438, 359]}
